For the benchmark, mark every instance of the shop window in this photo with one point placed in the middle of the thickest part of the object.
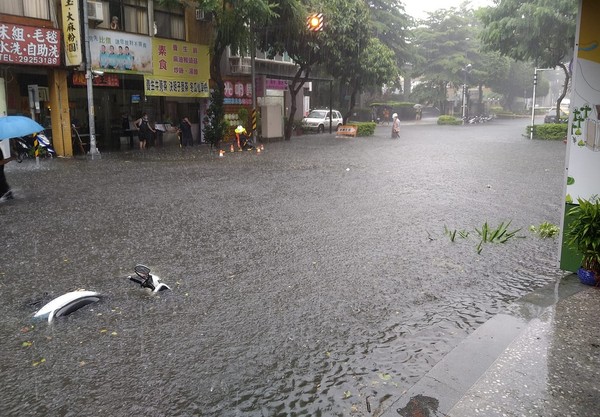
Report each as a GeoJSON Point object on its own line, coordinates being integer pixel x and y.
{"type": "Point", "coordinates": [38, 9]}
{"type": "Point", "coordinates": [169, 22]}
{"type": "Point", "coordinates": [135, 16]}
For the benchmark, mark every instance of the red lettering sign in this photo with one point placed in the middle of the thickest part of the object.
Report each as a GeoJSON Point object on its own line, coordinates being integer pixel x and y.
{"type": "Point", "coordinates": [104, 80]}
{"type": "Point", "coordinates": [28, 45]}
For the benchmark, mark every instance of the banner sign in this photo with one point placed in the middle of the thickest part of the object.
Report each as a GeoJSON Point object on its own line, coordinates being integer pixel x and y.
{"type": "Point", "coordinates": [176, 59]}
{"type": "Point", "coordinates": [28, 45]}
{"type": "Point", "coordinates": [175, 86]}
{"type": "Point", "coordinates": [276, 84]}
{"type": "Point", "coordinates": [120, 52]}
{"type": "Point", "coordinates": [237, 92]}
{"type": "Point", "coordinates": [105, 80]}
{"type": "Point", "coordinates": [72, 28]}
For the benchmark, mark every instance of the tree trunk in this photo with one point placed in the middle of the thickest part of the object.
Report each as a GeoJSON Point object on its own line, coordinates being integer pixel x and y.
{"type": "Point", "coordinates": [294, 87]}
{"type": "Point", "coordinates": [480, 103]}
{"type": "Point", "coordinates": [355, 88]}
{"type": "Point", "coordinates": [564, 92]}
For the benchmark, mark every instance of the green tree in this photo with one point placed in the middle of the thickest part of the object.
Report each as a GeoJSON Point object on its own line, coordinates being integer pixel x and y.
{"type": "Point", "coordinates": [446, 45]}
{"type": "Point", "coordinates": [517, 81]}
{"type": "Point", "coordinates": [290, 34]}
{"type": "Point", "coordinates": [233, 21]}
{"type": "Point", "coordinates": [539, 31]}
{"type": "Point", "coordinates": [353, 56]}
{"type": "Point", "coordinates": [390, 24]}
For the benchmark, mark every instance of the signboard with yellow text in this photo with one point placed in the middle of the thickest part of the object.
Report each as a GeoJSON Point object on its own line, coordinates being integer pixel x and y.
{"type": "Point", "coordinates": [180, 69]}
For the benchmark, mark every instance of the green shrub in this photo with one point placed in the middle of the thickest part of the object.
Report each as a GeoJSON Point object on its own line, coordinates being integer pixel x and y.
{"type": "Point", "coordinates": [365, 128]}
{"type": "Point", "coordinates": [448, 120]}
{"type": "Point", "coordinates": [548, 131]}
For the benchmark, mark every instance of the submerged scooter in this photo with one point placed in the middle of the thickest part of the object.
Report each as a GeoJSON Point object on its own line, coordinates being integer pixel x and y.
{"type": "Point", "coordinates": [66, 304]}
{"type": "Point", "coordinates": [147, 280]}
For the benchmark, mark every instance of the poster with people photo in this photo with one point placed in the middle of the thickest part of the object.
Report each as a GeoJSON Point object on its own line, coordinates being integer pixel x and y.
{"type": "Point", "coordinates": [120, 52]}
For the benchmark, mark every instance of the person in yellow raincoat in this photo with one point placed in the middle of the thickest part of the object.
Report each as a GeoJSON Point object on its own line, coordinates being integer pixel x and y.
{"type": "Point", "coordinates": [239, 131]}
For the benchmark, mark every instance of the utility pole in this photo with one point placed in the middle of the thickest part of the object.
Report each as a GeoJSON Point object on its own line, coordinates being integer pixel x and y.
{"type": "Point", "coordinates": [464, 106]}
{"type": "Point", "coordinates": [89, 77]}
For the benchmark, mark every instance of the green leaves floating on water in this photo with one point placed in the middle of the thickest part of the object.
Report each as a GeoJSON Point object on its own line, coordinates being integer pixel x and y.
{"type": "Point", "coordinates": [384, 376]}
{"type": "Point", "coordinates": [500, 234]}
{"type": "Point", "coordinates": [497, 235]}
{"type": "Point", "coordinates": [36, 363]}
{"type": "Point", "coordinates": [545, 230]}
{"type": "Point", "coordinates": [452, 233]}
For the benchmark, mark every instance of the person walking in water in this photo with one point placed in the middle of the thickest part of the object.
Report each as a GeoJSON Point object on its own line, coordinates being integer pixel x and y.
{"type": "Point", "coordinates": [185, 130]}
{"type": "Point", "coordinates": [395, 126]}
{"type": "Point", "coordinates": [145, 130]}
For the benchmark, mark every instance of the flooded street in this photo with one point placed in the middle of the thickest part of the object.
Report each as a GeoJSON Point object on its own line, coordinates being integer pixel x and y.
{"type": "Point", "coordinates": [314, 278]}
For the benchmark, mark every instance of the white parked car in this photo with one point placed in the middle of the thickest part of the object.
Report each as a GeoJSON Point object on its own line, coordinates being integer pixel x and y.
{"type": "Point", "coordinates": [319, 120]}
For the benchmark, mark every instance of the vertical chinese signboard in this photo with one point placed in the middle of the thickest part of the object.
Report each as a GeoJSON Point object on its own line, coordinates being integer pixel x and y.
{"type": "Point", "coordinates": [72, 29]}
{"type": "Point", "coordinates": [583, 136]}
{"type": "Point", "coordinates": [27, 45]}
{"type": "Point", "coordinates": [180, 69]}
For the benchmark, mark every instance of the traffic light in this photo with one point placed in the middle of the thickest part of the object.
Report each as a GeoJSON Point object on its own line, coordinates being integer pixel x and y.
{"type": "Point", "coordinates": [314, 23]}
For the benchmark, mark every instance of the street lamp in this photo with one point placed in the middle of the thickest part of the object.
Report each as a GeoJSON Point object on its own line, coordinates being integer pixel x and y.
{"type": "Point", "coordinates": [466, 70]}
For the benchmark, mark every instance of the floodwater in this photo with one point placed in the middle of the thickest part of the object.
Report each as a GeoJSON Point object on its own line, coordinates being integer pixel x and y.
{"type": "Point", "coordinates": [314, 278]}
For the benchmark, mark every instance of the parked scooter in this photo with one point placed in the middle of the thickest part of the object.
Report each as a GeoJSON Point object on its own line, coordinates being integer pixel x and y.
{"type": "Point", "coordinates": [26, 147]}
{"type": "Point", "coordinates": [147, 280]}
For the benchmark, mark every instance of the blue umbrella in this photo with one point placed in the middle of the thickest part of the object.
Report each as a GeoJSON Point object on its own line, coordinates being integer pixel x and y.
{"type": "Point", "coordinates": [17, 126]}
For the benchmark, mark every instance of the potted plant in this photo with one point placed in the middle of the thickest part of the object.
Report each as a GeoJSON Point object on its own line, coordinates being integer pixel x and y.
{"type": "Point", "coordinates": [584, 236]}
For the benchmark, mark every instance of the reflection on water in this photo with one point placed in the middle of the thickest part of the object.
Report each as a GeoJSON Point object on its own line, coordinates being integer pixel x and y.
{"type": "Point", "coordinates": [299, 288]}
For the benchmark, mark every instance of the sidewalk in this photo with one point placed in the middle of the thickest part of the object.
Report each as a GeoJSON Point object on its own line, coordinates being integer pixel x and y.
{"type": "Point", "coordinates": [541, 358]}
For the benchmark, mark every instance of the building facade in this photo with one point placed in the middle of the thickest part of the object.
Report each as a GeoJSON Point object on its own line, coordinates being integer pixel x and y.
{"type": "Point", "coordinates": [145, 58]}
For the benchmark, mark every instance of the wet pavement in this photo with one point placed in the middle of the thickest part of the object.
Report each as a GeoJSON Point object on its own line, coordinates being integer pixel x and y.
{"type": "Point", "coordinates": [314, 278]}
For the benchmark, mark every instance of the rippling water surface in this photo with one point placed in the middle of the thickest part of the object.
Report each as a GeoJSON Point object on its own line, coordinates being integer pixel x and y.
{"type": "Point", "coordinates": [312, 279]}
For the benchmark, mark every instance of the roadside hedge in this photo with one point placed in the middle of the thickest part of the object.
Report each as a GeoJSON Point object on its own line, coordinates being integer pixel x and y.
{"type": "Point", "coordinates": [365, 128]}
{"type": "Point", "coordinates": [448, 120]}
{"type": "Point", "coordinates": [548, 131]}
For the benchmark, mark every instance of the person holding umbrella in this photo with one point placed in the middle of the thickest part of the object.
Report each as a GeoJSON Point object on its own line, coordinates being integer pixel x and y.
{"type": "Point", "coordinates": [5, 191]}
{"type": "Point", "coordinates": [13, 127]}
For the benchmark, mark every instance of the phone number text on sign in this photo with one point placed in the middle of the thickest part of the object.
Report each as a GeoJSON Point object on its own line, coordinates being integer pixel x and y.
{"type": "Point", "coordinates": [29, 45]}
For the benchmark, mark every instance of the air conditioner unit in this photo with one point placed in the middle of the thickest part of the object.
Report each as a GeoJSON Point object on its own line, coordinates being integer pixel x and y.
{"type": "Point", "coordinates": [200, 14]}
{"type": "Point", "coordinates": [95, 11]}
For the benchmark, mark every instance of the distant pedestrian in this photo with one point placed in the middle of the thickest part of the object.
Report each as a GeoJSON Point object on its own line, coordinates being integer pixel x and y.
{"type": "Point", "coordinates": [418, 114]}
{"type": "Point", "coordinates": [5, 191]}
{"type": "Point", "coordinates": [386, 117]}
{"type": "Point", "coordinates": [185, 130]}
{"type": "Point", "coordinates": [395, 126]}
{"type": "Point", "coordinates": [145, 130]}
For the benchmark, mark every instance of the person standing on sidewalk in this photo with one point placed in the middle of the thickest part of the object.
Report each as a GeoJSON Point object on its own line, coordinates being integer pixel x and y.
{"type": "Point", "coordinates": [5, 191]}
{"type": "Point", "coordinates": [395, 126]}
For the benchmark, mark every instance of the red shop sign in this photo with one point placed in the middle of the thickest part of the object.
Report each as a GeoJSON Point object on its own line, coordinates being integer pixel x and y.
{"type": "Point", "coordinates": [28, 45]}
{"type": "Point", "coordinates": [104, 80]}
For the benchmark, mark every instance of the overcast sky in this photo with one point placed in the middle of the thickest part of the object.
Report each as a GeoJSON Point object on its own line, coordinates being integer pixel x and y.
{"type": "Point", "coordinates": [419, 8]}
